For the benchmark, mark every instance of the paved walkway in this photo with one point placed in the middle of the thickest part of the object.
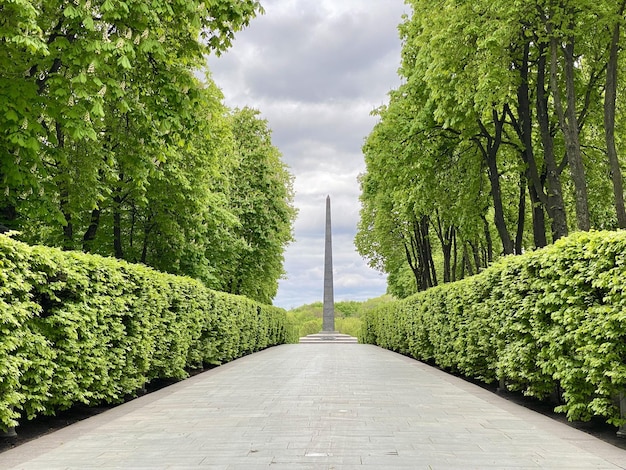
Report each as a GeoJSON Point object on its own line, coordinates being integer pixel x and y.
{"type": "Point", "coordinates": [319, 406]}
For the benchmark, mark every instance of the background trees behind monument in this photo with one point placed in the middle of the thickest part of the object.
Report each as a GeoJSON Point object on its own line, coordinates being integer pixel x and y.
{"type": "Point", "coordinates": [307, 319]}
{"type": "Point", "coordinates": [109, 143]}
{"type": "Point", "coordinates": [504, 136]}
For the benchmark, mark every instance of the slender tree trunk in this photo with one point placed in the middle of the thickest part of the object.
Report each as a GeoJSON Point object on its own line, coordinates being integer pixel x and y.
{"type": "Point", "coordinates": [419, 254]}
{"type": "Point", "coordinates": [411, 258]}
{"type": "Point", "coordinates": [64, 197]}
{"type": "Point", "coordinates": [424, 251]}
{"type": "Point", "coordinates": [466, 261]}
{"type": "Point", "coordinates": [117, 226]}
{"type": "Point", "coordinates": [454, 257]}
{"type": "Point", "coordinates": [133, 222]}
{"type": "Point", "coordinates": [568, 122]}
{"type": "Point", "coordinates": [8, 216]}
{"type": "Point", "coordinates": [428, 251]}
{"type": "Point", "coordinates": [447, 254]}
{"type": "Point", "coordinates": [521, 214]}
{"type": "Point", "coordinates": [90, 234]}
{"type": "Point", "coordinates": [556, 205]}
{"type": "Point", "coordinates": [447, 265]}
{"type": "Point", "coordinates": [490, 153]}
{"type": "Point", "coordinates": [488, 239]}
{"type": "Point", "coordinates": [68, 227]}
{"type": "Point", "coordinates": [496, 194]}
{"type": "Point", "coordinates": [144, 248]}
{"type": "Point", "coordinates": [476, 255]}
{"type": "Point", "coordinates": [538, 197]}
{"type": "Point", "coordinates": [445, 236]}
{"type": "Point", "coordinates": [610, 95]}
{"type": "Point", "coordinates": [539, 219]}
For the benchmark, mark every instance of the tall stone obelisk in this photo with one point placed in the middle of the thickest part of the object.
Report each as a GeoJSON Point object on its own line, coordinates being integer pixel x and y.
{"type": "Point", "coordinates": [328, 323]}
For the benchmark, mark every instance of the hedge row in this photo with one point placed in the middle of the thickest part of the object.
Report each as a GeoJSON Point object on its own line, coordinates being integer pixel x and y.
{"type": "Point", "coordinates": [77, 328]}
{"type": "Point", "coordinates": [549, 320]}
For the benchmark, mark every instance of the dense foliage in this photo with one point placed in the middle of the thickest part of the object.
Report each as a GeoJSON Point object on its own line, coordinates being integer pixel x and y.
{"type": "Point", "coordinates": [80, 328]}
{"type": "Point", "coordinates": [111, 144]}
{"type": "Point", "coordinates": [307, 319]}
{"type": "Point", "coordinates": [503, 137]}
{"type": "Point", "coordinates": [549, 320]}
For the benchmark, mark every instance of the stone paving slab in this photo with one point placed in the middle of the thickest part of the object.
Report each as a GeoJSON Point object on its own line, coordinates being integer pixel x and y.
{"type": "Point", "coordinates": [326, 406]}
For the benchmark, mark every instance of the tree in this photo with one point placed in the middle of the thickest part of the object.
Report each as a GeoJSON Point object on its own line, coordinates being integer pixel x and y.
{"type": "Point", "coordinates": [518, 84]}
{"type": "Point", "coordinates": [261, 198]}
{"type": "Point", "coordinates": [610, 98]}
{"type": "Point", "coordinates": [66, 65]}
{"type": "Point", "coordinates": [421, 184]}
{"type": "Point", "coordinates": [110, 143]}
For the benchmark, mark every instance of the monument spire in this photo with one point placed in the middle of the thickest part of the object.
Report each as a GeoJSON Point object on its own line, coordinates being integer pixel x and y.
{"type": "Point", "coordinates": [328, 333]}
{"type": "Point", "coordinates": [328, 323]}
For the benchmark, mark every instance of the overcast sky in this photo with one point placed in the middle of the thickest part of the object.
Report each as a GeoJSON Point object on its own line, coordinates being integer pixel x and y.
{"type": "Point", "coordinates": [316, 69]}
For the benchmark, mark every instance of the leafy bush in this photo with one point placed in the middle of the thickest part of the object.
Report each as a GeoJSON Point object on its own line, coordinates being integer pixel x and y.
{"type": "Point", "coordinates": [307, 319]}
{"type": "Point", "coordinates": [552, 319]}
{"type": "Point", "coordinates": [348, 326]}
{"type": "Point", "coordinates": [77, 328]}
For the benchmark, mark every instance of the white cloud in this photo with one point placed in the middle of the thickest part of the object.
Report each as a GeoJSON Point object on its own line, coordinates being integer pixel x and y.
{"type": "Point", "coordinates": [316, 70]}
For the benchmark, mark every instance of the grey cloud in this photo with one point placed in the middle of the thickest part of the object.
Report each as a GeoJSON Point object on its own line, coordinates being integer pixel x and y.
{"type": "Point", "coordinates": [334, 126]}
{"type": "Point", "coordinates": [345, 214]}
{"type": "Point", "coordinates": [289, 56]}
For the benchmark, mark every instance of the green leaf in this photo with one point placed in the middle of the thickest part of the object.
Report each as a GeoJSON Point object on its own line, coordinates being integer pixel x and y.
{"type": "Point", "coordinates": [124, 62]}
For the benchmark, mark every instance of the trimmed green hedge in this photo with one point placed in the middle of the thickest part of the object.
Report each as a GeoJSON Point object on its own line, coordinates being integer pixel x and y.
{"type": "Point", "coordinates": [552, 319]}
{"type": "Point", "coordinates": [77, 328]}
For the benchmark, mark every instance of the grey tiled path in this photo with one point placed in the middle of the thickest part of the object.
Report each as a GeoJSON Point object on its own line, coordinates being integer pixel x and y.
{"type": "Point", "coordinates": [321, 406]}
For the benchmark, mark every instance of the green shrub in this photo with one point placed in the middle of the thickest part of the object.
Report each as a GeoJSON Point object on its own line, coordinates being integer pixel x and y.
{"type": "Point", "coordinates": [310, 327]}
{"type": "Point", "coordinates": [348, 326]}
{"type": "Point", "coordinates": [78, 328]}
{"type": "Point", "coordinates": [552, 319]}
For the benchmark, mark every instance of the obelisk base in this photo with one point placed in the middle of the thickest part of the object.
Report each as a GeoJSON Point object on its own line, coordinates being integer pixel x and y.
{"type": "Point", "coordinates": [328, 337]}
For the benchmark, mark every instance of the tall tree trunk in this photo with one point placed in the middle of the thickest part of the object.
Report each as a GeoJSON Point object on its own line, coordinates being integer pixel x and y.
{"type": "Point", "coordinates": [424, 252]}
{"type": "Point", "coordinates": [556, 205]}
{"type": "Point", "coordinates": [446, 236]}
{"type": "Point", "coordinates": [8, 217]}
{"type": "Point", "coordinates": [133, 222]}
{"type": "Point", "coordinates": [466, 261]}
{"type": "Point", "coordinates": [117, 225]}
{"type": "Point", "coordinates": [413, 260]}
{"type": "Point", "coordinates": [454, 258]}
{"type": "Point", "coordinates": [488, 239]}
{"type": "Point", "coordinates": [90, 234]}
{"type": "Point", "coordinates": [568, 122]}
{"type": "Point", "coordinates": [476, 254]}
{"type": "Point", "coordinates": [539, 219]}
{"type": "Point", "coordinates": [428, 251]}
{"type": "Point", "coordinates": [521, 214]}
{"type": "Point", "coordinates": [144, 248]}
{"type": "Point", "coordinates": [490, 153]}
{"type": "Point", "coordinates": [419, 254]}
{"type": "Point", "coordinates": [68, 227]}
{"type": "Point", "coordinates": [524, 129]}
{"type": "Point", "coordinates": [610, 95]}
{"type": "Point", "coordinates": [64, 196]}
